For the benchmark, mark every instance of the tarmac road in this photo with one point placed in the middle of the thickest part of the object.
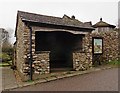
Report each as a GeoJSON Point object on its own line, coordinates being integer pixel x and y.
{"type": "Point", "coordinates": [104, 80]}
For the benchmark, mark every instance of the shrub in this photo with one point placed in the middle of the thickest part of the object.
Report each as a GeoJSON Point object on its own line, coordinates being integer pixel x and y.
{"type": "Point", "coordinates": [7, 51]}
{"type": "Point", "coordinates": [114, 63]}
{"type": "Point", "coordinates": [5, 57]}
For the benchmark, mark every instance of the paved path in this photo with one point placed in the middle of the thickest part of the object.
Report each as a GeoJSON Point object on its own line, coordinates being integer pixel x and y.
{"type": "Point", "coordinates": [8, 78]}
{"type": "Point", "coordinates": [103, 80]}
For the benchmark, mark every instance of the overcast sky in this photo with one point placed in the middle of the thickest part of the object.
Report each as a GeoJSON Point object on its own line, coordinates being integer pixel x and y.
{"type": "Point", "coordinates": [81, 9]}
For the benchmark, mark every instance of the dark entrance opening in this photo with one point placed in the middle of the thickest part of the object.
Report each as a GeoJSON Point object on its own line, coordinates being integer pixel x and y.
{"type": "Point", "coordinates": [61, 46]}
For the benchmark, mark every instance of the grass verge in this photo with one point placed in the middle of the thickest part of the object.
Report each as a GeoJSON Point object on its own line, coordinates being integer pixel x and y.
{"type": "Point", "coordinates": [115, 63]}
{"type": "Point", "coordinates": [4, 64]}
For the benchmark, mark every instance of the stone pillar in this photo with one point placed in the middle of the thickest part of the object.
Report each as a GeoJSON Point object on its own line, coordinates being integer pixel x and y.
{"type": "Point", "coordinates": [81, 61]}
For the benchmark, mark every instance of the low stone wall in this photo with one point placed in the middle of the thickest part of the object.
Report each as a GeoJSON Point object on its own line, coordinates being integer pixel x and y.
{"type": "Point", "coordinates": [81, 61]}
{"type": "Point", "coordinates": [41, 63]}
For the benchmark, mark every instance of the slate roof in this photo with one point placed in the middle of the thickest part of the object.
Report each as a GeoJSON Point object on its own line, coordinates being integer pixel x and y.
{"type": "Point", "coordinates": [103, 24]}
{"type": "Point", "coordinates": [64, 21]}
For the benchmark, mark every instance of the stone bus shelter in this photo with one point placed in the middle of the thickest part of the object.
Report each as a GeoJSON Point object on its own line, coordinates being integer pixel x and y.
{"type": "Point", "coordinates": [45, 44]}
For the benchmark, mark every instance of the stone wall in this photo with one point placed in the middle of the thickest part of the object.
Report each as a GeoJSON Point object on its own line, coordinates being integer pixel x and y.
{"type": "Point", "coordinates": [19, 52]}
{"type": "Point", "coordinates": [118, 30]}
{"type": "Point", "coordinates": [110, 44]}
{"type": "Point", "coordinates": [82, 60]}
{"type": "Point", "coordinates": [40, 60]}
{"type": "Point", "coordinates": [41, 63]}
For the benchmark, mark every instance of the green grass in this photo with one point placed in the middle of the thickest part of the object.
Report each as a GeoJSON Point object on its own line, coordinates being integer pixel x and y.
{"type": "Point", "coordinates": [4, 56]}
{"type": "Point", "coordinates": [30, 81]}
{"type": "Point", "coordinates": [7, 63]}
{"type": "Point", "coordinates": [114, 63]}
{"type": "Point", "coordinates": [6, 60]}
{"type": "Point", "coordinates": [4, 64]}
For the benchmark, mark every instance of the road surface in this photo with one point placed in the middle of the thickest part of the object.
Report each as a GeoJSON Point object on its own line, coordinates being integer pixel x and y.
{"type": "Point", "coordinates": [104, 80]}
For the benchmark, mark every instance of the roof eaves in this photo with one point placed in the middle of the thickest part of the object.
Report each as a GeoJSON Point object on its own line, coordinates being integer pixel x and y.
{"type": "Point", "coordinates": [31, 21]}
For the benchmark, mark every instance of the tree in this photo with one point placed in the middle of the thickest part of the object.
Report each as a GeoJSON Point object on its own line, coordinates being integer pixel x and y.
{"type": "Point", "coordinates": [7, 48]}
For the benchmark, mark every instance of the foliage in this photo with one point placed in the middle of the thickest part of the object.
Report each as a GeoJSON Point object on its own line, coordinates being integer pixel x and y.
{"type": "Point", "coordinates": [7, 48]}
{"type": "Point", "coordinates": [4, 64]}
{"type": "Point", "coordinates": [114, 63]}
{"type": "Point", "coordinates": [5, 57]}
{"type": "Point", "coordinates": [7, 51]}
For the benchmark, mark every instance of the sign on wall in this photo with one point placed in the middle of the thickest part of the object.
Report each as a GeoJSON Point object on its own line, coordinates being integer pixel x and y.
{"type": "Point", "coordinates": [97, 45]}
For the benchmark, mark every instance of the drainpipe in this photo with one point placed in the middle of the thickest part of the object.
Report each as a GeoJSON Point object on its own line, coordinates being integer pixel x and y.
{"type": "Point", "coordinates": [30, 56]}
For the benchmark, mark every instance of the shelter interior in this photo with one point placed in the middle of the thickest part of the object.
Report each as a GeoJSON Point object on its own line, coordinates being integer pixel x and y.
{"type": "Point", "coordinates": [61, 45]}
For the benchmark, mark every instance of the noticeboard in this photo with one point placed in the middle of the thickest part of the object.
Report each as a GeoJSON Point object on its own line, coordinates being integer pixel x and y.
{"type": "Point", "coordinates": [97, 45]}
